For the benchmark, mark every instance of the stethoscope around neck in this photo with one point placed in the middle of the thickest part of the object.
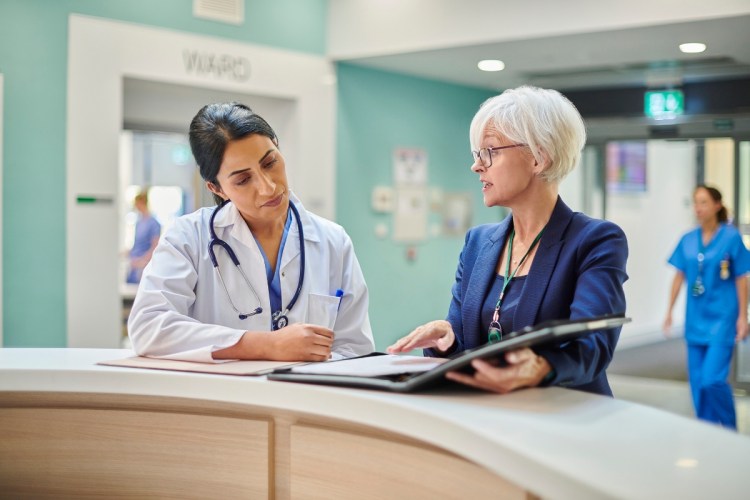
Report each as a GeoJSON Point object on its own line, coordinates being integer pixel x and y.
{"type": "Point", "coordinates": [279, 319]}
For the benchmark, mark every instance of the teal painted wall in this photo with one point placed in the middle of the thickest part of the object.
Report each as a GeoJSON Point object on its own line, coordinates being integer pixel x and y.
{"type": "Point", "coordinates": [377, 112]}
{"type": "Point", "coordinates": [33, 60]}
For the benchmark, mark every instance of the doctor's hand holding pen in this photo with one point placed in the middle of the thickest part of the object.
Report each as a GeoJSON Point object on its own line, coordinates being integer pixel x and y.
{"type": "Point", "coordinates": [296, 342]}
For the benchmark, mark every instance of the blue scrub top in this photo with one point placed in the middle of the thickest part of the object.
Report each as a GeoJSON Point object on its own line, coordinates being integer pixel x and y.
{"type": "Point", "coordinates": [274, 282]}
{"type": "Point", "coordinates": [711, 318]}
{"type": "Point", "coordinates": [146, 229]}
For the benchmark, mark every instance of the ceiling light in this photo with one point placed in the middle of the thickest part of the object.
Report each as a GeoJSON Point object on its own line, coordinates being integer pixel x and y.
{"type": "Point", "coordinates": [687, 463]}
{"type": "Point", "coordinates": [491, 65]}
{"type": "Point", "coordinates": [692, 48]}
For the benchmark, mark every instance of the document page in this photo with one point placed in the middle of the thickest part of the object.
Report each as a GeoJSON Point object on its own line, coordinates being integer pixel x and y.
{"type": "Point", "coordinates": [226, 368]}
{"type": "Point", "coordinates": [371, 366]}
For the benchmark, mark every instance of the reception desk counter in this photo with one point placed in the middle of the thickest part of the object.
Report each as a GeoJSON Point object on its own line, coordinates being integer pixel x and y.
{"type": "Point", "coordinates": [69, 427]}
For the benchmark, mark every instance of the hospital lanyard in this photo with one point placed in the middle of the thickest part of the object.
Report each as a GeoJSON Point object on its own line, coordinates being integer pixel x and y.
{"type": "Point", "coordinates": [495, 331]}
{"type": "Point", "coordinates": [698, 289]}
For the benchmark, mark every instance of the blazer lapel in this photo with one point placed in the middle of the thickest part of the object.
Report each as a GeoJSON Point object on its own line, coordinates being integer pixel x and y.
{"type": "Point", "coordinates": [482, 275]}
{"type": "Point", "coordinates": [543, 266]}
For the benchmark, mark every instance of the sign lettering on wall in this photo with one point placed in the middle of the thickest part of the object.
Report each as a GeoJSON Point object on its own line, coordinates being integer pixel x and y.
{"type": "Point", "coordinates": [222, 66]}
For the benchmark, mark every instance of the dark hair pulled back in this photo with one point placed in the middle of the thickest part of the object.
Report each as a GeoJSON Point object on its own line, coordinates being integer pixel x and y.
{"type": "Point", "coordinates": [715, 195]}
{"type": "Point", "coordinates": [214, 127]}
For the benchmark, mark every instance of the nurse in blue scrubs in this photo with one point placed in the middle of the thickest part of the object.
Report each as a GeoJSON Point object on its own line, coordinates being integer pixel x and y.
{"type": "Point", "coordinates": [714, 262]}
{"type": "Point", "coordinates": [147, 232]}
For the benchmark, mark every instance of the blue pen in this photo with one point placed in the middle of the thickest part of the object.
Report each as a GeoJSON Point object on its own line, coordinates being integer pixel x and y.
{"type": "Point", "coordinates": [339, 294]}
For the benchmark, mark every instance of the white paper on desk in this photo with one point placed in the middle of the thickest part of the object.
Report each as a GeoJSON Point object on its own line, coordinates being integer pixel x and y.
{"type": "Point", "coordinates": [372, 366]}
{"type": "Point", "coordinates": [228, 368]}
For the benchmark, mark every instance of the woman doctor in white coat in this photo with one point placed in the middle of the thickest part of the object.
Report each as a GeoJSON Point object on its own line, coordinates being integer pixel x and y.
{"type": "Point", "coordinates": [235, 281]}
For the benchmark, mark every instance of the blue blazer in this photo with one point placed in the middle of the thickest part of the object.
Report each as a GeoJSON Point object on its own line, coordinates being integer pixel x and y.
{"type": "Point", "coordinates": [578, 272]}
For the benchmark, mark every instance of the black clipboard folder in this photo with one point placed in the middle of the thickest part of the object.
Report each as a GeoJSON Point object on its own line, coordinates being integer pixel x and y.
{"type": "Point", "coordinates": [546, 333]}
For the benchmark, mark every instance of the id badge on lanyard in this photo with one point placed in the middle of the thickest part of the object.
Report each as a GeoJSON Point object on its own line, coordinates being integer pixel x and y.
{"type": "Point", "coordinates": [724, 267]}
{"type": "Point", "coordinates": [698, 289]}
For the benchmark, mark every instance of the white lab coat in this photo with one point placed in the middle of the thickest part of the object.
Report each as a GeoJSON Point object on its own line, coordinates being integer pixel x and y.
{"type": "Point", "coordinates": [182, 312]}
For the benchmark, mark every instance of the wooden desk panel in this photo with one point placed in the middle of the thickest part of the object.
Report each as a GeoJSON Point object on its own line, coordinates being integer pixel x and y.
{"type": "Point", "coordinates": [57, 452]}
{"type": "Point", "coordinates": [330, 464]}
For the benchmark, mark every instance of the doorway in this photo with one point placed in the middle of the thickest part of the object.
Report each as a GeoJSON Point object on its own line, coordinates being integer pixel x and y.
{"type": "Point", "coordinates": [155, 160]}
{"type": "Point", "coordinates": [111, 61]}
{"type": "Point", "coordinates": [648, 188]}
{"type": "Point", "coordinates": [742, 356]}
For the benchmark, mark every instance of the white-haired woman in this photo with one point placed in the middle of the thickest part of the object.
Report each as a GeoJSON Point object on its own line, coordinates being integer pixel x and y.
{"type": "Point", "coordinates": [542, 262]}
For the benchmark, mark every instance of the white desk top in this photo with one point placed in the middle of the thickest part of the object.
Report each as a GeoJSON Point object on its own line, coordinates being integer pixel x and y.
{"type": "Point", "coordinates": [557, 442]}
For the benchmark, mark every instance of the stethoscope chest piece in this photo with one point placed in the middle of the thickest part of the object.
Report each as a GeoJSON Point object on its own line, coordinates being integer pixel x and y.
{"type": "Point", "coordinates": [279, 320]}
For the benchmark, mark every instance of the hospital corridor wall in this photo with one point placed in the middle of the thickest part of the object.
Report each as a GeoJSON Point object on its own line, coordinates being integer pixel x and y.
{"type": "Point", "coordinates": [34, 262]}
{"type": "Point", "coordinates": [380, 112]}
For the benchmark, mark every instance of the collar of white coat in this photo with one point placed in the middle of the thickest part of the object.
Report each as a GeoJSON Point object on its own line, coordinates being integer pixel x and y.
{"type": "Point", "coordinates": [230, 216]}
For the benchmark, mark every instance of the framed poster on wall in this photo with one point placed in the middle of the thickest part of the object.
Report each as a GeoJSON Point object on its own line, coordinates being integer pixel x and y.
{"type": "Point", "coordinates": [626, 167]}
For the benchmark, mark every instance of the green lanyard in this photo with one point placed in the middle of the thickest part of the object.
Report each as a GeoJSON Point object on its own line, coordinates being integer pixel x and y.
{"type": "Point", "coordinates": [495, 331]}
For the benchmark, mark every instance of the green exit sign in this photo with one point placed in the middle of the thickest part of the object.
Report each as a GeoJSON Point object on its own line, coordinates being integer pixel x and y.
{"type": "Point", "coordinates": [664, 104]}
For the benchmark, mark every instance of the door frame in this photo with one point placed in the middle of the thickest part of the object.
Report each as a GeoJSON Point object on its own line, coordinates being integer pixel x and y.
{"type": "Point", "coordinates": [101, 53]}
{"type": "Point", "coordinates": [1, 207]}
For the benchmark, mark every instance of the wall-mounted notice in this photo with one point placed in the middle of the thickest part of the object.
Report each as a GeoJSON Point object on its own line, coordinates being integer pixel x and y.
{"type": "Point", "coordinates": [409, 167]}
{"type": "Point", "coordinates": [410, 216]}
{"type": "Point", "coordinates": [457, 211]}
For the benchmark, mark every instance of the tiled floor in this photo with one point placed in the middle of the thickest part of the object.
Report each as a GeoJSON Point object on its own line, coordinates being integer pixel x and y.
{"type": "Point", "coordinates": [671, 396]}
{"type": "Point", "coordinates": [654, 375]}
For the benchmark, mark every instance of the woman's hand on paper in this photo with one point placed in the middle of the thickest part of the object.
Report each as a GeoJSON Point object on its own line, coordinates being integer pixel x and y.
{"type": "Point", "coordinates": [433, 335]}
{"type": "Point", "coordinates": [524, 368]}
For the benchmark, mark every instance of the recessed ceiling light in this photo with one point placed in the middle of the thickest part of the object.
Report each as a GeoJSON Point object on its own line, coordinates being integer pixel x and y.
{"type": "Point", "coordinates": [692, 48]}
{"type": "Point", "coordinates": [687, 463]}
{"type": "Point", "coordinates": [491, 65]}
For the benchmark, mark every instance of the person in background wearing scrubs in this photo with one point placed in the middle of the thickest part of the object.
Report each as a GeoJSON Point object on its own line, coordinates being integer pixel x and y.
{"type": "Point", "coordinates": [147, 231]}
{"type": "Point", "coordinates": [714, 262]}
{"type": "Point", "coordinates": [542, 262]}
{"type": "Point", "coordinates": [289, 262]}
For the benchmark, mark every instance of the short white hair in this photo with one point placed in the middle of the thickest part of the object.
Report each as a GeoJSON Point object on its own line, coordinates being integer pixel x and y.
{"type": "Point", "coordinates": [543, 119]}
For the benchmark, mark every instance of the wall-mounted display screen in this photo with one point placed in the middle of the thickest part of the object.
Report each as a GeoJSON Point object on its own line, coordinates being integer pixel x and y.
{"type": "Point", "coordinates": [626, 167]}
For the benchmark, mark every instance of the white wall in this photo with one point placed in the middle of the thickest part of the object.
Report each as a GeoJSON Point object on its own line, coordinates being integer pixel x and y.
{"type": "Point", "coordinates": [102, 54]}
{"type": "Point", "coordinates": [719, 169]}
{"type": "Point", "coordinates": [572, 189]}
{"type": "Point", "coordinates": [653, 222]}
{"type": "Point", "coordinates": [359, 28]}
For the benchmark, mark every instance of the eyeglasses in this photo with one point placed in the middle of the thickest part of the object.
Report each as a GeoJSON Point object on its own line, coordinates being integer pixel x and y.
{"type": "Point", "coordinates": [484, 155]}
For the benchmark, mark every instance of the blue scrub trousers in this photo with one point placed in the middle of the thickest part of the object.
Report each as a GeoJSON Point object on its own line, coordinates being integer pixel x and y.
{"type": "Point", "coordinates": [708, 371]}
